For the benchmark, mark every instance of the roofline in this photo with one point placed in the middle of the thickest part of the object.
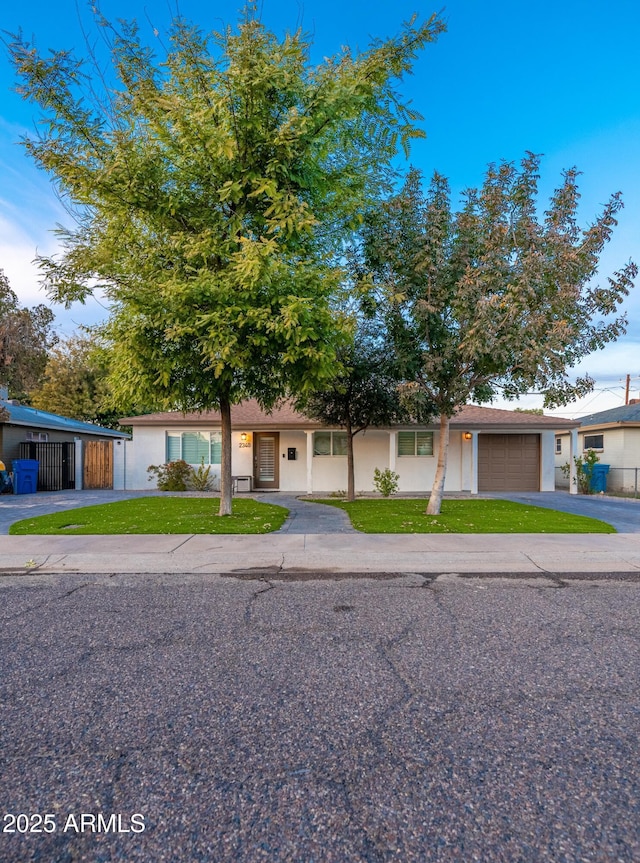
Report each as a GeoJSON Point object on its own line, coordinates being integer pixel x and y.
{"type": "Point", "coordinates": [99, 430]}
{"type": "Point", "coordinates": [612, 425]}
{"type": "Point", "coordinates": [460, 424]}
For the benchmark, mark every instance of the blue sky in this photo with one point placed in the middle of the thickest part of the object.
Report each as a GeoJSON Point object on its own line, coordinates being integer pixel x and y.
{"type": "Point", "coordinates": [559, 78]}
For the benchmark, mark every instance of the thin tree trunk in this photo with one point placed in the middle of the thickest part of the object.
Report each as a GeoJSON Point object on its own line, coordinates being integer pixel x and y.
{"type": "Point", "coordinates": [435, 501]}
{"type": "Point", "coordinates": [225, 468]}
{"type": "Point", "coordinates": [351, 483]}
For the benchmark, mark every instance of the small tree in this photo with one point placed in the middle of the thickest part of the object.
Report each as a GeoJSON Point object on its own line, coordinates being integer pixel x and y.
{"type": "Point", "coordinates": [213, 190]}
{"type": "Point", "coordinates": [496, 296]}
{"type": "Point", "coordinates": [363, 393]}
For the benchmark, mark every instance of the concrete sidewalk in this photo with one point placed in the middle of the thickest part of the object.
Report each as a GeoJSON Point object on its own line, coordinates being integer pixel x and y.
{"type": "Point", "coordinates": [289, 555]}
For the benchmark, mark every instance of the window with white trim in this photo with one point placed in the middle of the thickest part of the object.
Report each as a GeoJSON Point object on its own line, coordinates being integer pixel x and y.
{"type": "Point", "coordinates": [415, 443]}
{"type": "Point", "coordinates": [593, 441]}
{"type": "Point", "coordinates": [38, 437]}
{"type": "Point", "coordinates": [194, 447]}
{"type": "Point", "coordinates": [329, 443]}
{"type": "Point", "coordinates": [559, 445]}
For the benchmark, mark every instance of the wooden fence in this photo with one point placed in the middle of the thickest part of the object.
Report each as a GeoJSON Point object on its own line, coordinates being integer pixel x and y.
{"type": "Point", "coordinates": [98, 464]}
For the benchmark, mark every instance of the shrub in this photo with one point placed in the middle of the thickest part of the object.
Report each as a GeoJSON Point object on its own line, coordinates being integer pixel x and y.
{"type": "Point", "coordinates": [584, 471]}
{"type": "Point", "coordinates": [385, 481]}
{"type": "Point", "coordinates": [199, 480]}
{"type": "Point", "coordinates": [172, 476]}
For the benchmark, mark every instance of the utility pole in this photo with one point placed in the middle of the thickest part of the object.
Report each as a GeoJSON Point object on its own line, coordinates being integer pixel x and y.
{"type": "Point", "coordinates": [626, 390]}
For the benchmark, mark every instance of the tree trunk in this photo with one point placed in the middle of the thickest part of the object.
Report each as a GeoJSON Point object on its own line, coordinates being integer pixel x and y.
{"type": "Point", "coordinates": [225, 468]}
{"type": "Point", "coordinates": [435, 501]}
{"type": "Point", "coordinates": [351, 483]}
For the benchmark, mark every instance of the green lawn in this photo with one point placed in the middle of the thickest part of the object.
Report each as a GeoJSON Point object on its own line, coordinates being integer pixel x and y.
{"type": "Point", "coordinates": [157, 515]}
{"type": "Point", "coordinates": [463, 516]}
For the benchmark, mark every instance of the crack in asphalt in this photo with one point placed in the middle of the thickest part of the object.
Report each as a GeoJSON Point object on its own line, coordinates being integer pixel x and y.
{"type": "Point", "coordinates": [248, 612]}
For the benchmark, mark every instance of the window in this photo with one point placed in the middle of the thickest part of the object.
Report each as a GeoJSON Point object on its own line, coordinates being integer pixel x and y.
{"type": "Point", "coordinates": [194, 447]}
{"type": "Point", "coordinates": [39, 437]}
{"type": "Point", "coordinates": [415, 443]}
{"type": "Point", "coordinates": [558, 445]}
{"type": "Point", "coordinates": [593, 441]}
{"type": "Point", "coordinates": [329, 443]}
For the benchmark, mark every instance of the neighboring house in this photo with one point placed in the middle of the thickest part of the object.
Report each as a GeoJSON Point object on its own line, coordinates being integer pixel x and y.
{"type": "Point", "coordinates": [615, 436]}
{"type": "Point", "coordinates": [490, 450]}
{"type": "Point", "coordinates": [59, 444]}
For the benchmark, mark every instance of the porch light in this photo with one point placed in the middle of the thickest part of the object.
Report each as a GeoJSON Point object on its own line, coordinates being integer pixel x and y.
{"type": "Point", "coordinates": [243, 437]}
{"type": "Point", "coordinates": [467, 435]}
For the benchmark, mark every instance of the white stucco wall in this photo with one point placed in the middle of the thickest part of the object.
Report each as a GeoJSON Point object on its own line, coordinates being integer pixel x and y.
{"type": "Point", "coordinates": [147, 447]}
{"type": "Point", "coordinates": [548, 461]}
{"type": "Point", "coordinates": [371, 450]}
{"type": "Point", "coordinates": [621, 451]}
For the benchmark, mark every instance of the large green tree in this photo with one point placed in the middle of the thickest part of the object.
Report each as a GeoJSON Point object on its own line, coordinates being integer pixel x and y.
{"type": "Point", "coordinates": [498, 297]}
{"type": "Point", "coordinates": [212, 189]}
{"type": "Point", "coordinates": [75, 383]}
{"type": "Point", "coordinates": [25, 337]}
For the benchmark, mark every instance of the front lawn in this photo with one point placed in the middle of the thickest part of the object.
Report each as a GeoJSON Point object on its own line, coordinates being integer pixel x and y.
{"type": "Point", "coordinates": [157, 515]}
{"type": "Point", "coordinates": [464, 516]}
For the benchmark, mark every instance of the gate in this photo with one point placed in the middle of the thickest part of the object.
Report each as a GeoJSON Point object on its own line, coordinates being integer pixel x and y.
{"type": "Point", "coordinates": [57, 469]}
{"type": "Point", "coordinates": [98, 464]}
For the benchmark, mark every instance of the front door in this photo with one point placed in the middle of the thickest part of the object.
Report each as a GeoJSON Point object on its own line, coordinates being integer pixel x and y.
{"type": "Point", "coordinates": [266, 447]}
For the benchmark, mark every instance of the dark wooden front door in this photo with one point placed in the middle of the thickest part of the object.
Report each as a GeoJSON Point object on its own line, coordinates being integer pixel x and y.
{"type": "Point", "coordinates": [266, 464]}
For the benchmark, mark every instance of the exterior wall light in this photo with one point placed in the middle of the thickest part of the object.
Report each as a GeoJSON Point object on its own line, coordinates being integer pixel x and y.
{"type": "Point", "coordinates": [243, 437]}
{"type": "Point", "coordinates": [467, 435]}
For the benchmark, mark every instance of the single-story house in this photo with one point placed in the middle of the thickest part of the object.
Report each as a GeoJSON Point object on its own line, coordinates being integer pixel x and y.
{"type": "Point", "coordinates": [58, 443]}
{"type": "Point", "coordinates": [490, 450]}
{"type": "Point", "coordinates": [614, 435]}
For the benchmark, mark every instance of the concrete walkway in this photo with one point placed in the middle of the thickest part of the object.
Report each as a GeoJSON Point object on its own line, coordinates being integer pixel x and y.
{"type": "Point", "coordinates": [307, 517]}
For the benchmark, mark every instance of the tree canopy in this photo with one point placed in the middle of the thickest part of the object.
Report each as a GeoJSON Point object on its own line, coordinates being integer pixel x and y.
{"type": "Point", "coordinates": [495, 297]}
{"type": "Point", "coordinates": [25, 337]}
{"type": "Point", "coordinates": [75, 383]}
{"type": "Point", "coordinates": [212, 189]}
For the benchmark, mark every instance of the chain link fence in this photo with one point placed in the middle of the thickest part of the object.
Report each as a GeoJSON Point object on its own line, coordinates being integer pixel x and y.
{"type": "Point", "coordinates": [620, 480]}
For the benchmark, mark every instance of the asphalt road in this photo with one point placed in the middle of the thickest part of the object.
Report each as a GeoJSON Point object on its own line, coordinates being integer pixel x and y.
{"type": "Point", "coordinates": [346, 720]}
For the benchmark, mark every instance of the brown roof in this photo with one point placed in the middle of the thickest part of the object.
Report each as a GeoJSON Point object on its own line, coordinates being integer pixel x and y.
{"type": "Point", "coordinates": [250, 415]}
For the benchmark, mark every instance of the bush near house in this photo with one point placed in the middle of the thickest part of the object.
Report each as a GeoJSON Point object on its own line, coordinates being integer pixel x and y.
{"type": "Point", "coordinates": [584, 471]}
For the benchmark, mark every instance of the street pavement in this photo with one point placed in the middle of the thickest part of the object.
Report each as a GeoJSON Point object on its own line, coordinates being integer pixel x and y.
{"type": "Point", "coordinates": [333, 720]}
{"type": "Point", "coordinates": [319, 697]}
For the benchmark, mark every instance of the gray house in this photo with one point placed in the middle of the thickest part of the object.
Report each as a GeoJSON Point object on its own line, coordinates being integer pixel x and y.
{"type": "Point", "coordinates": [72, 454]}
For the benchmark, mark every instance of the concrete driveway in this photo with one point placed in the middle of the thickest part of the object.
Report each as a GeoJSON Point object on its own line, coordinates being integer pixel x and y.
{"type": "Point", "coordinates": [623, 513]}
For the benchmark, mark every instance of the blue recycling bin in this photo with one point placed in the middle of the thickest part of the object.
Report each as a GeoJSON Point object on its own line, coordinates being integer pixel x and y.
{"type": "Point", "coordinates": [25, 475]}
{"type": "Point", "coordinates": [599, 477]}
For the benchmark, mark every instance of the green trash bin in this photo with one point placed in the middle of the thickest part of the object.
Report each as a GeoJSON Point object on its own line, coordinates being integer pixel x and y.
{"type": "Point", "coordinates": [25, 475]}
